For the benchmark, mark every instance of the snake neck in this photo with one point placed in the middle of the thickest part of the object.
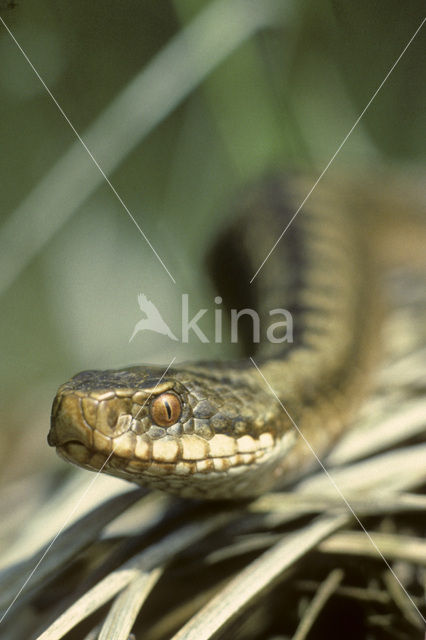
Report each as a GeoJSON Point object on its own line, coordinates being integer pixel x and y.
{"type": "Point", "coordinates": [235, 434]}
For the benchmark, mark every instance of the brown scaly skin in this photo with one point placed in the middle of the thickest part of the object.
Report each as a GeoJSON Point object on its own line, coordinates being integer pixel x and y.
{"type": "Point", "coordinates": [219, 429]}
{"type": "Point", "coordinates": [233, 438]}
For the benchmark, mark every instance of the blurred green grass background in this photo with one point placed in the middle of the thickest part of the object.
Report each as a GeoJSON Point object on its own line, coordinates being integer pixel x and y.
{"type": "Point", "coordinates": [284, 97]}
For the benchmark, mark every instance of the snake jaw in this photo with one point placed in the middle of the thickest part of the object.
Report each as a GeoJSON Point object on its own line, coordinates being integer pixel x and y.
{"type": "Point", "coordinates": [220, 477]}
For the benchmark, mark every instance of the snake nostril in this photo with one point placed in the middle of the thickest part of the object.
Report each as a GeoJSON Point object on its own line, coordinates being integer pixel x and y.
{"type": "Point", "coordinates": [109, 417]}
{"type": "Point", "coordinates": [51, 438]}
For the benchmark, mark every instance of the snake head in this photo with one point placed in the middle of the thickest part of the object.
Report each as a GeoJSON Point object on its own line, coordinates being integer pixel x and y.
{"type": "Point", "coordinates": [186, 434]}
{"type": "Point", "coordinates": [113, 417]}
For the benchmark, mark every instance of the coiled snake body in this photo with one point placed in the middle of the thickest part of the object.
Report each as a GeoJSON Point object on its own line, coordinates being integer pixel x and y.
{"type": "Point", "coordinates": [214, 429]}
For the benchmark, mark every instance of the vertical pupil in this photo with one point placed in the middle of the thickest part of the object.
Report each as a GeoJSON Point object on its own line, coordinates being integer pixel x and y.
{"type": "Point", "coordinates": [168, 409]}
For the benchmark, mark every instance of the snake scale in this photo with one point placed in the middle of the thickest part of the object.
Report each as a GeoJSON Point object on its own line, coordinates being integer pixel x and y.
{"type": "Point", "coordinates": [215, 430]}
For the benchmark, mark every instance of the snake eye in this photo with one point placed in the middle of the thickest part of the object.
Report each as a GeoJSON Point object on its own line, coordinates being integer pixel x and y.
{"type": "Point", "coordinates": [166, 409]}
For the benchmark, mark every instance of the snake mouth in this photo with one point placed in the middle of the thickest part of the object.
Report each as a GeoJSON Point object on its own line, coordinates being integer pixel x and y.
{"type": "Point", "coordinates": [180, 456]}
{"type": "Point", "coordinates": [209, 477]}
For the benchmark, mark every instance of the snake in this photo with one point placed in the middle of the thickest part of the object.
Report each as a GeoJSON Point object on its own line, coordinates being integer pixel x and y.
{"type": "Point", "coordinates": [231, 429]}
